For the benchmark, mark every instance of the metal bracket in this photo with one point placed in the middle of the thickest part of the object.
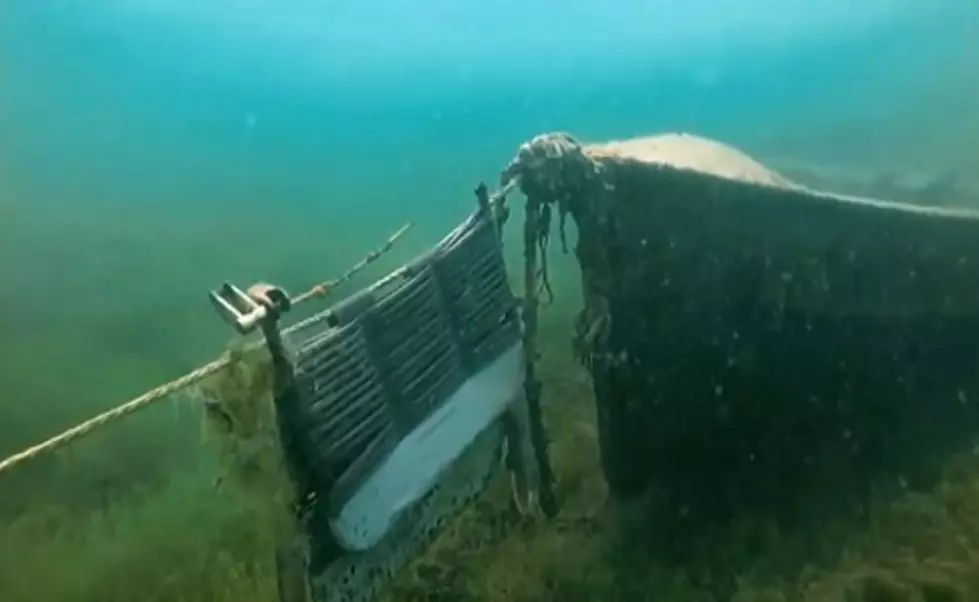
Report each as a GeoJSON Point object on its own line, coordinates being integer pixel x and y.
{"type": "Point", "coordinates": [244, 311]}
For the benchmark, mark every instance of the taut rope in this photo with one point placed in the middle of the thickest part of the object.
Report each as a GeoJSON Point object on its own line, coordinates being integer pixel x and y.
{"type": "Point", "coordinates": [153, 395]}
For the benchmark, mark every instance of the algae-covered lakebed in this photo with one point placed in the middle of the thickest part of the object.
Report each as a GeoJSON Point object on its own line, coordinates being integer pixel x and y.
{"type": "Point", "coordinates": [185, 539]}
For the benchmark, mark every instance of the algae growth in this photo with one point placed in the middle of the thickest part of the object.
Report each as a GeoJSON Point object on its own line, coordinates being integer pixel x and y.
{"type": "Point", "coordinates": [240, 420]}
{"type": "Point", "coordinates": [190, 541]}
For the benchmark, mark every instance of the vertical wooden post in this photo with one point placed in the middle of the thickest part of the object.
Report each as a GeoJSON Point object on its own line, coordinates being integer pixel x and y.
{"type": "Point", "coordinates": [290, 566]}
{"type": "Point", "coordinates": [532, 386]}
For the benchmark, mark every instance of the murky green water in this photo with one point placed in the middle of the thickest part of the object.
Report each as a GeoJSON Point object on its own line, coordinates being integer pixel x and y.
{"type": "Point", "coordinates": [147, 154]}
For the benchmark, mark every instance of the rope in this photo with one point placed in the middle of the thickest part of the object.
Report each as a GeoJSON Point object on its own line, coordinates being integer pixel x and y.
{"type": "Point", "coordinates": [163, 391]}
{"type": "Point", "coordinates": [322, 289]}
{"type": "Point", "coordinates": [130, 407]}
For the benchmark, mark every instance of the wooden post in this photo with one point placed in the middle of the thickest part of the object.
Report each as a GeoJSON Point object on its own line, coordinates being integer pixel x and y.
{"type": "Point", "coordinates": [532, 386]}
{"type": "Point", "coordinates": [290, 566]}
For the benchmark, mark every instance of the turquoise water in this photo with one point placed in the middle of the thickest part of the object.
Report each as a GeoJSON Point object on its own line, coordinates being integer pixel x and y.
{"type": "Point", "coordinates": [149, 151]}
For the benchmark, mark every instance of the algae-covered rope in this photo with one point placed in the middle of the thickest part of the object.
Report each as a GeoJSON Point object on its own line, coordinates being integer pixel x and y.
{"type": "Point", "coordinates": [163, 391]}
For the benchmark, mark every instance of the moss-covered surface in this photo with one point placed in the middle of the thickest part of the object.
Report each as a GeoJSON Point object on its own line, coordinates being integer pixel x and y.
{"type": "Point", "coordinates": [240, 420]}
{"type": "Point", "coordinates": [192, 541]}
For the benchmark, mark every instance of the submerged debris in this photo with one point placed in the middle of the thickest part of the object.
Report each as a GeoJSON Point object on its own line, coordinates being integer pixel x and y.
{"type": "Point", "coordinates": [240, 420]}
{"type": "Point", "coordinates": [720, 296]}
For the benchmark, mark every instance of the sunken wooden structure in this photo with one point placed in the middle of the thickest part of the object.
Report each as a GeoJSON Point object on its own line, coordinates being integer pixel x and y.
{"type": "Point", "coordinates": [393, 410]}
{"type": "Point", "coordinates": [745, 332]}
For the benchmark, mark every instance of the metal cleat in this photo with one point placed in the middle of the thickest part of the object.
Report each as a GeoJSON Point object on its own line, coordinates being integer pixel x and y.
{"type": "Point", "coordinates": [246, 311]}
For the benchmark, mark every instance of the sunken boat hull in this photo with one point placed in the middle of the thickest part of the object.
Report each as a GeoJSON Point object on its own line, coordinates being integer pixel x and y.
{"type": "Point", "coordinates": [746, 334]}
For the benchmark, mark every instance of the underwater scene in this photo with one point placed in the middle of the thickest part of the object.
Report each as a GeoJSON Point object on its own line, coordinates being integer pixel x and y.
{"type": "Point", "coordinates": [566, 301]}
